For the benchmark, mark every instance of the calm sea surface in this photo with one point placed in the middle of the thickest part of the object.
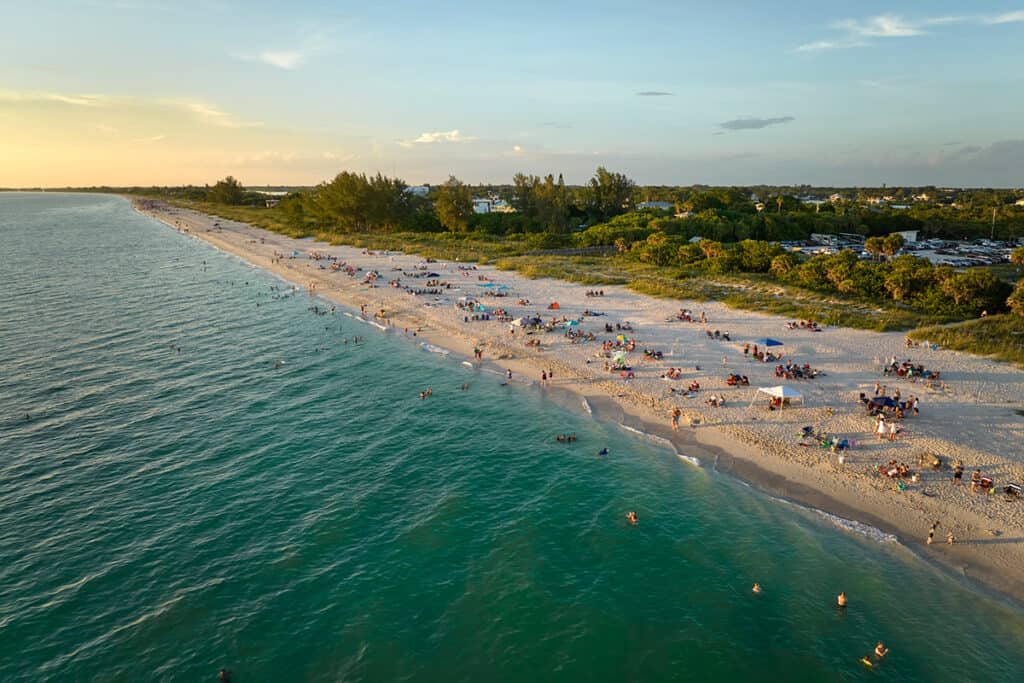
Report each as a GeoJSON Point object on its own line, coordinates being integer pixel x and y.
{"type": "Point", "coordinates": [166, 513]}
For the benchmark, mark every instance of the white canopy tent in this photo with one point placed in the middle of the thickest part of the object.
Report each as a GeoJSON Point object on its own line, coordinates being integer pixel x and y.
{"type": "Point", "coordinates": [781, 392]}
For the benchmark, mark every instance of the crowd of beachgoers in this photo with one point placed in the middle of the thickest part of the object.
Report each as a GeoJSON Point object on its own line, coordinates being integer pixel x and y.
{"type": "Point", "coordinates": [844, 413]}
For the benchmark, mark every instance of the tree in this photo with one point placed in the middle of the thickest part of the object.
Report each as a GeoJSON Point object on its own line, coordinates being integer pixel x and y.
{"type": "Point", "coordinates": [1016, 299]}
{"type": "Point", "coordinates": [1018, 256]}
{"type": "Point", "coordinates": [454, 205]}
{"type": "Point", "coordinates": [892, 243]}
{"type": "Point", "coordinates": [608, 194]}
{"type": "Point", "coordinates": [227, 191]}
{"type": "Point", "coordinates": [874, 246]}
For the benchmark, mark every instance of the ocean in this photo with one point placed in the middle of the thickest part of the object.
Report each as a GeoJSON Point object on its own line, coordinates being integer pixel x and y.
{"type": "Point", "coordinates": [201, 468]}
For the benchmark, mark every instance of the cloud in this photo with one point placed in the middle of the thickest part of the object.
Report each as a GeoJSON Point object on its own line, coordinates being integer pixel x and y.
{"type": "Point", "coordinates": [556, 124]}
{"type": "Point", "coordinates": [967, 151]}
{"type": "Point", "coordinates": [517, 149]}
{"type": "Point", "coordinates": [952, 143]}
{"type": "Point", "coordinates": [210, 114]}
{"type": "Point", "coordinates": [283, 59]}
{"type": "Point", "coordinates": [819, 45]}
{"type": "Point", "coordinates": [439, 136]}
{"type": "Point", "coordinates": [654, 93]}
{"type": "Point", "coordinates": [719, 132]}
{"type": "Point", "coordinates": [1008, 18]}
{"type": "Point", "coordinates": [892, 26]}
{"type": "Point", "coordinates": [883, 26]}
{"type": "Point", "coordinates": [754, 123]}
{"type": "Point", "coordinates": [15, 97]}
{"type": "Point", "coordinates": [291, 57]}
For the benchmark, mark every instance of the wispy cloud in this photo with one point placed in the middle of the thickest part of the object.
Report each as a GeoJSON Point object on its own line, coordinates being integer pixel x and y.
{"type": "Point", "coordinates": [283, 59]}
{"type": "Point", "coordinates": [12, 96]}
{"type": "Point", "coordinates": [858, 31]}
{"type": "Point", "coordinates": [436, 137]}
{"type": "Point", "coordinates": [754, 123]}
{"type": "Point", "coordinates": [1007, 18]}
{"type": "Point", "coordinates": [829, 45]}
{"type": "Point", "coordinates": [883, 26]}
{"type": "Point", "coordinates": [210, 114]}
{"type": "Point", "coordinates": [654, 93]}
{"type": "Point", "coordinates": [287, 57]}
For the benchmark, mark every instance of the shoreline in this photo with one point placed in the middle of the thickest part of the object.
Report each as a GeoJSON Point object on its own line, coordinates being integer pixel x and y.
{"type": "Point", "coordinates": [739, 441]}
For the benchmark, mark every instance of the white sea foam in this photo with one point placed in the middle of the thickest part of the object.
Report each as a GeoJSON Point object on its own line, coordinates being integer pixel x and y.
{"type": "Point", "coordinates": [586, 407]}
{"type": "Point", "coordinates": [856, 527]}
{"type": "Point", "coordinates": [851, 525]}
{"type": "Point", "coordinates": [662, 441]}
{"type": "Point", "coordinates": [434, 349]}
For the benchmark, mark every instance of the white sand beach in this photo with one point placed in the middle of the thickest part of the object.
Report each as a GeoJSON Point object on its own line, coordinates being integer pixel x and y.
{"type": "Point", "coordinates": [969, 414]}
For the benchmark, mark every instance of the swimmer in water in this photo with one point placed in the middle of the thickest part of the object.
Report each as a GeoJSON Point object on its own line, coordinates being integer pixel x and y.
{"type": "Point", "coordinates": [632, 518]}
{"type": "Point", "coordinates": [224, 676]}
{"type": "Point", "coordinates": [841, 600]}
{"type": "Point", "coordinates": [866, 660]}
{"type": "Point", "coordinates": [757, 588]}
{"type": "Point", "coordinates": [603, 451]}
{"type": "Point", "coordinates": [881, 650]}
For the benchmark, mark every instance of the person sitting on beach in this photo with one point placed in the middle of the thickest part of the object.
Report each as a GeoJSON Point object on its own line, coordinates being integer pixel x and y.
{"type": "Point", "coordinates": [975, 480]}
{"type": "Point", "coordinates": [694, 386]}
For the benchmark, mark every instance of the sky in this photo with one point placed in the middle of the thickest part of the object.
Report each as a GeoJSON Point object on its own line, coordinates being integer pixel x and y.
{"type": "Point", "coordinates": [140, 92]}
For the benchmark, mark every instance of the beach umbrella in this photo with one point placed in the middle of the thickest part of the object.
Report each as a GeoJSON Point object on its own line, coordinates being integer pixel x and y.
{"type": "Point", "coordinates": [884, 401]}
{"type": "Point", "coordinates": [767, 342]}
{"type": "Point", "coordinates": [620, 358]}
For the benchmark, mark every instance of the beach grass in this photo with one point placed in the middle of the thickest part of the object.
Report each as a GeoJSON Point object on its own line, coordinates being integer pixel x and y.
{"type": "Point", "coordinates": [745, 292]}
{"type": "Point", "coordinates": [998, 336]}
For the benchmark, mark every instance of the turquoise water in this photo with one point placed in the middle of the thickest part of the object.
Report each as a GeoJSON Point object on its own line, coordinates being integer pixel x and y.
{"type": "Point", "coordinates": [164, 513]}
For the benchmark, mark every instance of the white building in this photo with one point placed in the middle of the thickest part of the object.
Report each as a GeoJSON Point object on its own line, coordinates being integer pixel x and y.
{"type": "Point", "coordinates": [418, 190]}
{"type": "Point", "coordinates": [1019, 202]}
{"type": "Point", "coordinates": [481, 206]}
{"type": "Point", "coordinates": [661, 206]}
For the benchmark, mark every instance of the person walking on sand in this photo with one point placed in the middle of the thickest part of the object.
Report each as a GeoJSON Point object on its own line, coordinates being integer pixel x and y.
{"type": "Point", "coordinates": [675, 413]}
{"type": "Point", "coordinates": [543, 377]}
{"type": "Point", "coordinates": [950, 538]}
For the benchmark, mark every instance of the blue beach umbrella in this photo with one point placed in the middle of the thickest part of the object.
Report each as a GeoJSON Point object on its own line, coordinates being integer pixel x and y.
{"type": "Point", "coordinates": [766, 342]}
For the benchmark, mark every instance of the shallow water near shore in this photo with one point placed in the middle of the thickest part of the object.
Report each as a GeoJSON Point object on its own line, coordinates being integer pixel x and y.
{"type": "Point", "coordinates": [278, 502]}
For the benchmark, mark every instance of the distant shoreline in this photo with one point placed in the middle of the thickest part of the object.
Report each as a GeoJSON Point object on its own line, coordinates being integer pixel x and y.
{"type": "Point", "coordinates": [747, 442]}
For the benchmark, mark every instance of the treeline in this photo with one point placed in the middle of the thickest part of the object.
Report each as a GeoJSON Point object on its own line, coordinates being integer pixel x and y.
{"type": "Point", "coordinates": [939, 291]}
{"type": "Point", "coordinates": [354, 202]}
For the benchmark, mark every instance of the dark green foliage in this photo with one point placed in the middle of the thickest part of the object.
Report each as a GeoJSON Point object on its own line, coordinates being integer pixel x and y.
{"type": "Point", "coordinates": [228, 191]}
